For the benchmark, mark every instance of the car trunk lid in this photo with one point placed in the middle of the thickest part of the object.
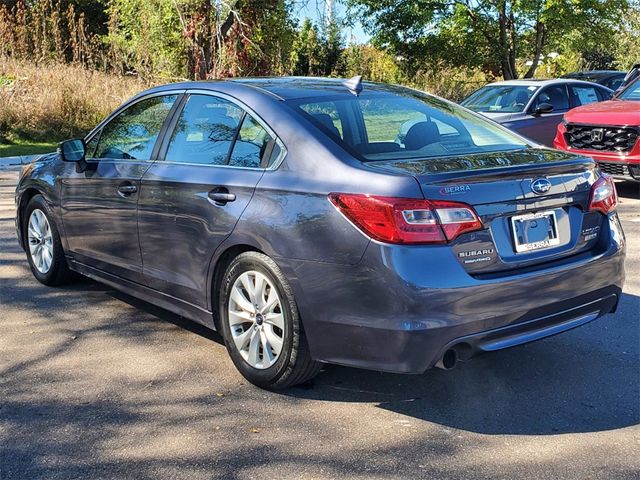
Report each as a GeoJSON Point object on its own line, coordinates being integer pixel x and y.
{"type": "Point", "coordinates": [499, 187]}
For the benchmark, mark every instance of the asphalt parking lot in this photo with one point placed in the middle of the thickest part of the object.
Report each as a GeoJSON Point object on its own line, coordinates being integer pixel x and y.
{"type": "Point", "coordinates": [96, 384]}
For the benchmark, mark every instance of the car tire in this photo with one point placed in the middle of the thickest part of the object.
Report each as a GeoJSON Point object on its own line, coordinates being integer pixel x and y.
{"type": "Point", "coordinates": [266, 341]}
{"type": "Point", "coordinates": [42, 244]}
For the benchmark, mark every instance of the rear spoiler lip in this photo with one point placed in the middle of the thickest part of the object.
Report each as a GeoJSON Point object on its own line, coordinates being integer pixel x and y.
{"type": "Point", "coordinates": [572, 163]}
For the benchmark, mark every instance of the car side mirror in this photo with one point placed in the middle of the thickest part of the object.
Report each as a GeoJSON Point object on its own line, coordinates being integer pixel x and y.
{"type": "Point", "coordinates": [543, 108]}
{"type": "Point", "coordinates": [72, 150]}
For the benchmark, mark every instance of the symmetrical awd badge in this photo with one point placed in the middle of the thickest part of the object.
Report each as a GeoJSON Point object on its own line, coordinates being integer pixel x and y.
{"type": "Point", "coordinates": [540, 186]}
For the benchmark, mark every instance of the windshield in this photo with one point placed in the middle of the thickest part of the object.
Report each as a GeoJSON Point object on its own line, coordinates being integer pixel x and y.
{"type": "Point", "coordinates": [632, 92]}
{"type": "Point", "coordinates": [410, 126]}
{"type": "Point", "coordinates": [500, 98]}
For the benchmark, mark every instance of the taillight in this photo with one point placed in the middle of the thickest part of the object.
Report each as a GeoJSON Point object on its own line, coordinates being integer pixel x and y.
{"type": "Point", "coordinates": [405, 220]}
{"type": "Point", "coordinates": [604, 197]}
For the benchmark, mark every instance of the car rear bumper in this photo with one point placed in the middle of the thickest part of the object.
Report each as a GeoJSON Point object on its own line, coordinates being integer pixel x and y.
{"type": "Point", "coordinates": [401, 308]}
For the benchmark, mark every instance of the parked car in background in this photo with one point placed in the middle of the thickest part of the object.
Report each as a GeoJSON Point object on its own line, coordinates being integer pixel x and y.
{"type": "Point", "coordinates": [284, 214]}
{"type": "Point", "coordinates": [607, 132]}
{"type": "Point", "coordinates": [534, 108]}
{"type": "Point", "coordinates": [612, 79]}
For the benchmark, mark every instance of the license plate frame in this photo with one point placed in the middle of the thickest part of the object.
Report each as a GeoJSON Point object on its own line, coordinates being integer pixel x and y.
{"type": "Point", "coordinates": [522, 229]}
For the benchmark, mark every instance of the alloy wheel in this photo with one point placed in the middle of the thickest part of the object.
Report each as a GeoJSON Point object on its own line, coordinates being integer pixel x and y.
{"type": "Point", "coordinates": [256, 319]}
{"type": "Point", "coordinates": [40, 241]}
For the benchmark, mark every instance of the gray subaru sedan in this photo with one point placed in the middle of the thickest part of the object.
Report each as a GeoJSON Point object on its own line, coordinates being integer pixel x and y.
{"type": "Point", "coordinates": [293, 216]}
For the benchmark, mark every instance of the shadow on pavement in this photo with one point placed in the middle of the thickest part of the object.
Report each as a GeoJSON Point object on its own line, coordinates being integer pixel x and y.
{"type": "Point", "coordinates": [585, 380]}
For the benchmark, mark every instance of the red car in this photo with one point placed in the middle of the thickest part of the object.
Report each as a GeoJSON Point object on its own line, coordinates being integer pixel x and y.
{"type": "Point", "coordinates": [607, 131]}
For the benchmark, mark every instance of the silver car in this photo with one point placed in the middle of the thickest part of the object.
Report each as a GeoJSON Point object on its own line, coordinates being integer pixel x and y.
{"type": "Point", "coordinates": [534, 108]}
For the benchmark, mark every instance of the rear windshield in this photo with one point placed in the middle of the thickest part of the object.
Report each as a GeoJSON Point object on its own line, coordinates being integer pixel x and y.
{"type": "Point", "coordinates": [500, 98]}
{"type": "Point", "coordinates": [411, 126]}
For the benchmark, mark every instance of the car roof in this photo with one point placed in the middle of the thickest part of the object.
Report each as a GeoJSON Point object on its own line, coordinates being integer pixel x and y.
{"type": "Point", "coordinates": [594, 74]}
{"type": "Point", "coordinates": [284, 88]}
{"type": "Point", "coordinates": [537, 82]}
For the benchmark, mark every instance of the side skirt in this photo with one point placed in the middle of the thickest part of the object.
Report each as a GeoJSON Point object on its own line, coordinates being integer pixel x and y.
{"type": "Point", "coordinates": [162, 300]}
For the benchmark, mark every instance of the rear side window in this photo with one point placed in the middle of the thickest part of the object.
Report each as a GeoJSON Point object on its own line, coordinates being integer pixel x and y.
{"type": "Point", "coordinates": [132, 134]}
{"type": "Point", "coordinates": [584, 95]}
{"type": "Point", "coordinates": [252, 145]}
{"type": "Point", "coordinates": [389, 126]}
{"type": "Point", "coordinates": [215, 131]}
{"type": "Point", "coordinates": [205, 131]}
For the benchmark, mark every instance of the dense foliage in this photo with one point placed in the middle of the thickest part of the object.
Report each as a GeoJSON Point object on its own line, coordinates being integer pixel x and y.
{"type": "Point", "coordinates": [510, 38]}
{"type": "Point", "coordinates": [448, 48]}
{"type": "Point", "coordinates": [166, 39]}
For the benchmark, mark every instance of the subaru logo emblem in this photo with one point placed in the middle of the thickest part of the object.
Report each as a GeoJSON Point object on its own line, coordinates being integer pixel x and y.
{"type": "Point", "coordinates": [597, 134]}
{"type": "Point", "coordinates": [540, 186]}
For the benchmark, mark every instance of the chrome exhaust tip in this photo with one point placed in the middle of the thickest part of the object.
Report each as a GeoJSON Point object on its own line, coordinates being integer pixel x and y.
{"type": "Point", "coordinates": [448, 361]}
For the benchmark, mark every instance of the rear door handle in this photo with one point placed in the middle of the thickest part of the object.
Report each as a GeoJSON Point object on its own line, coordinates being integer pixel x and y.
{"type": "Point", "coordinates": [221, 196]}
{"type": "Point", "coordinates": [127, 188]}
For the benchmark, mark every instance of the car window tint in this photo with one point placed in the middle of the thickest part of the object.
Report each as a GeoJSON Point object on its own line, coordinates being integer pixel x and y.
{"type": "Point", "coordinates": [205, 131]}
{"type": "Point", "coordinates": [614, 83]}
{"type": "Point", "coordinates": [409, 126]}
{"type": "Point", "coordinates": [326, 115]}
{"type": "Point", "coordinates": [252, 144]}
{"type": "Point", "coordinates": [500, 98]}
{"type": "Point", "coordinates": [132, 134]}
{"type": "Point", "coordinates": [632, 92]}
{"type": "Point", "coordinates": [276, 154]}
{"type": "Point", "coordinates": [584, 95]}
{"type": "Point", "coordinates": [556, 95]}
{"type": "Point", "coordinates": [384, 118]}
{"type": "Point", "coordinates": [92, 145]}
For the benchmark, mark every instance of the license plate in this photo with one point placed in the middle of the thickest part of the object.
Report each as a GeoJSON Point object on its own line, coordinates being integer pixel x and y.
{"type": "Point", "coordinates": [535, 231]}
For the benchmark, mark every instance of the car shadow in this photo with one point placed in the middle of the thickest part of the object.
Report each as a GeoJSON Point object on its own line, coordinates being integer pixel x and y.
{"type": "Point", "coordinates": [585, 380]}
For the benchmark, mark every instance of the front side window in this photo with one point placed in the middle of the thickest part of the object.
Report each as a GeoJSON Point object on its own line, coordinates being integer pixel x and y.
{"type": "Point", "coordinates": [555, 95]}
{"type": "Point", "coordinates": [500, 98]}
{"type": "Point", "coordinates": [132, 134]}
{"type": "Point", "coordinates": [393, 126]}
{"type": "Point", "coordinates": [632, 92]}
{"type": "Point", "coordinates": [205, 131]}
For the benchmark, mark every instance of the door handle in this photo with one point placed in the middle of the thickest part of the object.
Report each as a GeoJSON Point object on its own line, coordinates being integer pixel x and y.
{"type": "Point", "coordinates": [221, 196]}
{"type": "Point", "coordinates": [127, 188]}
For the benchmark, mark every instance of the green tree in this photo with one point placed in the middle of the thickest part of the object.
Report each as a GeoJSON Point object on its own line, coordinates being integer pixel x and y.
{"type": "Point", "coordinates": [331, 46]}
{"type": "Point", "coordinates": [306, 54]}
{"type": "Point", "coordinates": [495, 35]}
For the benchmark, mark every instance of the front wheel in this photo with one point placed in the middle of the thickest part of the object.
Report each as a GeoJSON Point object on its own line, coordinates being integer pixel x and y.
{"type": "Point", "coordinates": [261, 325]}
{"type": "Point", "coordinates": [43, 246]}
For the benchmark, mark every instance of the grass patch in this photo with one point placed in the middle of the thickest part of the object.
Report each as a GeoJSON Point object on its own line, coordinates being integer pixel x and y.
{"type": "Point", "coordinates": [24, 147]}
{"type": "Point", "coordinates": [55, 101]}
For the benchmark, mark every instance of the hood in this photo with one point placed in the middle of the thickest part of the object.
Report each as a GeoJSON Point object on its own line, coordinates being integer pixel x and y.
{"type": "Point", "coordinates": [611, 112]}
{"type": "Point", "coordinates": [497, 116]}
